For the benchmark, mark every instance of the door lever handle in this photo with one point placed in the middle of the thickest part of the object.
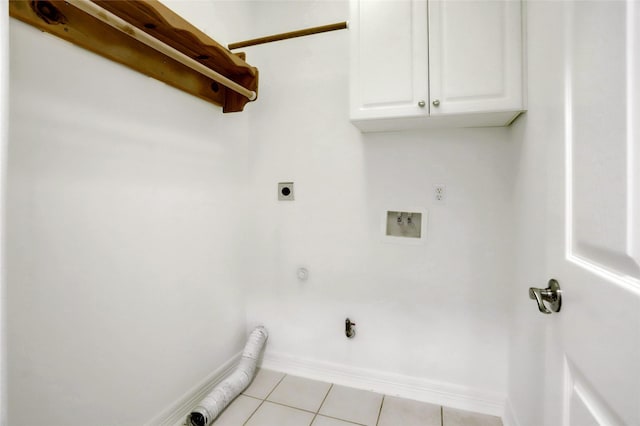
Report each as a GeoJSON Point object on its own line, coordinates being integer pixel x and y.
{"type": "Point", "coordinates": [552, 295]}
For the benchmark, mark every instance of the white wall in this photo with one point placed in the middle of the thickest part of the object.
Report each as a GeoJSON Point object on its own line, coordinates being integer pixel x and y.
{"type": "Point", "coordinates": [534, 135]}
{"type": "Point", "coordinates": [222, 20]}
{"type": "Point", "coordinates": [135, 224]}
{"type": "Point", "coordinates": [436, 311]}
{"type": "Point", "coordinates": [126, 215]}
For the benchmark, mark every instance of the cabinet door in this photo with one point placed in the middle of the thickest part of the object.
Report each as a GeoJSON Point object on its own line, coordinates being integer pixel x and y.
{"type": "Point", "coordinates": [388, 59]}
{"type": "Point", "coordinates": [475, 51]}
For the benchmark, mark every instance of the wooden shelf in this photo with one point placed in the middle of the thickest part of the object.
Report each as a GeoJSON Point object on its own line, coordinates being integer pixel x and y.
{"type": "Point", "coordinates": [67, 22]}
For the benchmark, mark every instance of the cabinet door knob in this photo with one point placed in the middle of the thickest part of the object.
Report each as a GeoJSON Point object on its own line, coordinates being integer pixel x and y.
{"type": "Point", "coordinates": [421, 104]}
{"type": "Point", "coordinates": [436, 102]}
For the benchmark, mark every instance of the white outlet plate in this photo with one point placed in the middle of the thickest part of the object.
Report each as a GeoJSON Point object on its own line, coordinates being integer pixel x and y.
{"type": "Point", "coordinates": [439, 193]}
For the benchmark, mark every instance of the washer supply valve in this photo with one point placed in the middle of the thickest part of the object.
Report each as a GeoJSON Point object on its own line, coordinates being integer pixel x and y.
{"type": "Point", "coordinates": [349, 331]}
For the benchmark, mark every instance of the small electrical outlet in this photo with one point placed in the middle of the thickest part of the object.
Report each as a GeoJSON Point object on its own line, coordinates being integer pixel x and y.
{"type": "Point", "coordinates": [439, 192]}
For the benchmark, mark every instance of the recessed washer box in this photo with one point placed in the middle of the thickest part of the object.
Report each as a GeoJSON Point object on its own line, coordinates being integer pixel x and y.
{"type": "Point", "coordinates": [405, 226]}
{"type": "Point", "coordinates": [285, 191]}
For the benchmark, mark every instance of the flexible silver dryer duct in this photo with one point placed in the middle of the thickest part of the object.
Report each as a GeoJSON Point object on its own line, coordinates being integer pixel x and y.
{"type": "Point", "coordinates": [227, 390]}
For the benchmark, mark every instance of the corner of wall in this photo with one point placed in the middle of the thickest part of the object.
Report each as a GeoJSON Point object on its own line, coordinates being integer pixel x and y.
{"type": "Point", "coordinates": [509, 416]}
{"type": "Point", "coordinates": [4, 134]}
{"type": "Point", "coordinates": [175, 413]}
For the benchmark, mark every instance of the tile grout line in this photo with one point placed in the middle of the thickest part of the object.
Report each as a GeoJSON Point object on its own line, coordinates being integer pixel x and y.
{"type": "Point", "coordinates": [321, 404]}
{"type": "Point", "coordinates": [263, 401]}
{"type": "Point", "coordinates": [380, 410]}
{"type": "Point", "coordinates": [290, 406]}
{"type": "Point", "coordinates": [249, 396]}
{"type": "Point", "coordinates": [274, 388]}
{"type": "Point", "coordinates": [324, 399]}
{"type": "Point", "coordinates": [253, 412]}
{"type": "Point", "coordinates": [342, 420]}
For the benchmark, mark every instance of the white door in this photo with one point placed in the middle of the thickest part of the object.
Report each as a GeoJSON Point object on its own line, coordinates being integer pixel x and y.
{"type": "Point", "coordinates": [593, 363]}
{"type": "Point", "coordinates": [475, 56]}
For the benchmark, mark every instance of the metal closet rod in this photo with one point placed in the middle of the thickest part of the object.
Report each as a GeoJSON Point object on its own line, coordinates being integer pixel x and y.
{"type": "Point", "coordinates": [125, 27]}
{"type": "Point", "coordinates": [291, 34]}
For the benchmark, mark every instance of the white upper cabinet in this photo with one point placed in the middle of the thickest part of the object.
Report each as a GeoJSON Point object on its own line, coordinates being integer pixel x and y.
{"type": "Point", "coordinates": [389, 58]}
{"type": "Point", "coordinates": [444, 63]}
{"type": "Point", "coordinates": [475, 49]}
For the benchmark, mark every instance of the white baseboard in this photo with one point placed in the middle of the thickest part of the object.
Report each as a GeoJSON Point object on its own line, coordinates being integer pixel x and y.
{"type": "Point", "coordinates": [509, 417]}
{"type": "Point", "coordinates": [176, 413]}
{"type": "Point", "coordinates": [445, 394]}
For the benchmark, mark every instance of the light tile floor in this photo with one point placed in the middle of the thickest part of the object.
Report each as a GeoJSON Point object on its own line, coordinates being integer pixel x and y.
{"type": "Point", "coordinates": [276, 399]}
